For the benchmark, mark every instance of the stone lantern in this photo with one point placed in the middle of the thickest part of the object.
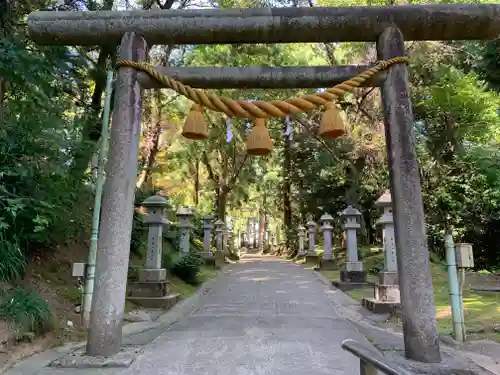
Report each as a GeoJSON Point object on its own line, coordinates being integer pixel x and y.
{"type": "Point", "coordinates": [208, 226]}
{"type": "Point", "coordinates": [386, 296]}
{"type": "Point", "coordinates": [156, 206]}
{"type": "Point", "coordinates": [185, 216]}
{"type": "Point", "coordinates": [151, 289]}
{"type": "Point", "coordinates": [311, 256]}
{"type": "Point", "coordinates": [327, 262]}
{"type": "Point", "coordinates": [353, 272]}
{"type": "Point", "coordinates": [302, 235]}
{"type": "Point", "coordinates": [219, 241]}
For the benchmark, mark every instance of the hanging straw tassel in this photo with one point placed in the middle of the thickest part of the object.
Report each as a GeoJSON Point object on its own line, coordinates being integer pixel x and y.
{"type": "Point", "coordinates": [332, 124]}
{"type": "Point", "coordinates": [259, 142]}
{"type": "Point", "coordinates": [195, 126]}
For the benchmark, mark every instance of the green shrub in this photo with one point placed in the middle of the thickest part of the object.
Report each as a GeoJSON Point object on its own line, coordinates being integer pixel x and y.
{"type": "Point", "coordinates": [170, 259]}
{"type": "Point", "coordinates": [26, 309]}
{"type": "Point", "coordinates": [187, 267]}
{"type": "Point", "coordinates": [12, 259]}
{"type": "Point", "coordinates": [197, 244]}
{"type": "Point", "coordinates": [138, 240]}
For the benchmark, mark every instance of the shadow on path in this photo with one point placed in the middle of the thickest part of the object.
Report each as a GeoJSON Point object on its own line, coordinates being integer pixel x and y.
{"type": "Point", "coordinates": [264, 315]}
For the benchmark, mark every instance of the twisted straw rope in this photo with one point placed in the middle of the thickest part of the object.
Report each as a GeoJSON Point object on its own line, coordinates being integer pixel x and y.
{"type": "Point", "coordinates": [260, 108]}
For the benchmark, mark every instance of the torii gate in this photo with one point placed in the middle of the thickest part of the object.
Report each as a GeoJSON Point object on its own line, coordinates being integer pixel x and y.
{"type": "Point", "coordinates": [388, 26]}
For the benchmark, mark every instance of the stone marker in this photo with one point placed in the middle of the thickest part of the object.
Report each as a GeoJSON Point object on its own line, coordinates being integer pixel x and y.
{"type": "Point", "coordinates": [225, 239]}
{"type": "Point", "coordinates": [353, 276]}
{"type": "Point", "coordinates": [386, 293]}
{"type": "Point", "coordinates": [219, 242]}
{"type": "Point", "coordinates": [185, 215]}
{"type": "Point", "coordinates": [230, 239]}
{"type": "Point", "coordinates": [327, 262]}
{"type": "Point", "coordinates": [208, 226]}
{"type": "Point", "coordinates": [152, 289]}
{"type": "Point", "coordinates": [302, 235]}
{"type": "Point", "coordinates": [311, 256]}
{"type": "Point", "coordinates": [155, 219]}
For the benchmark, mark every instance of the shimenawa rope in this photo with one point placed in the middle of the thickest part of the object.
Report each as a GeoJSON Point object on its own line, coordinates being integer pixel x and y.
{"type": "Point", "coordinates": [259, 108]}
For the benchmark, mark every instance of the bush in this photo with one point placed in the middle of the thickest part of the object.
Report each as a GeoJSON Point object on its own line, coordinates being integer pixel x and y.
{"type": "Point", "coordinates": [26, 309]}
{"type": "Point", "coordinates": [197, 244]}
{"type": "Point", "coordinates": [187, 267]}
{"type": "Point", "coordinates": [12, 259]}
{"type": "Point", "coordinates": [138, 240]}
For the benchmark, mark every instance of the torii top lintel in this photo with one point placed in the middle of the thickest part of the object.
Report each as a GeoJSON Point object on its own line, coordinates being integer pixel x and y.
{"type": "Point", "coordinates": [268, 25]}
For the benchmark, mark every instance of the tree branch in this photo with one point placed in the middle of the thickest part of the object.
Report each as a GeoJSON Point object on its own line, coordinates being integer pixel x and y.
{"type": "Point", "coordinates": [319, 139]}
{"type": "Point", "coordinates": [237, 172]}
{"type": "Point", "coordinates": [210, 171]}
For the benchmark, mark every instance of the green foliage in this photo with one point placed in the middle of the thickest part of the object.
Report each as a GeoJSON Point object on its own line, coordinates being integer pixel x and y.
{"type": "Point", "coordinates": [187, 267]}
{"type": "Point", "coordinates": [198, 244]}
{"type": "Point", "coordinates": [39, 200]}
{"type": "Point", "coordinates": [12, 259]}
{"type": "Point", "coordinates": [26, 309]}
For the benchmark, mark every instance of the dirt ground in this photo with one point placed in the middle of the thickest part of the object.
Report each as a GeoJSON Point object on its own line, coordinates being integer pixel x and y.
{"type": "Point", "coordinates": [50, 275]}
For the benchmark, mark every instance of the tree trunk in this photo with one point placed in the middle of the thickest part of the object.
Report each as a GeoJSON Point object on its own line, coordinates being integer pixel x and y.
{"type": "Point", "coordinates": [222, 195]}
{"type": "Point", "coordinates": [92, 129]}
{"type": "Point", "coordinates": [262, 226]}
{"type": "Point", "coordinates": [197, 182]}
{"type": "Point", "coordinates": [287, 187]}
{"type": "Point", "coordinates": [148, 164]}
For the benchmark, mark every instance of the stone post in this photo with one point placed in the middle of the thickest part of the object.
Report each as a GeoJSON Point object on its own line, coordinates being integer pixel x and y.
{"type": "Point", "coordinates": [225, 239]}
{"type": "Point", "coordinates": [353, 273]}
{"type": "Point", "coordinates": [185, 215]}
{"type": "Point", "coordinates": [113, 250]}
{"type": "Point", "coordinates": [311, 256]}
{"type": "Point", "coordinates": [238, 240]}
{"type": "Point", "coordinates": [155, 220]}
{"type": "Point", "coordinates": [327, 262]}
{"type": "Point", "coordinates": [208, 226]}
{"type": "Point", "coordinates": [301, 235]}
{"type": "Point", "coordinates": [420, 332]}
{"type": "Point", "coordinates": [230, 239]}
{"type": "Point", "coordinates": [219, 242]}
{"type": "Point", "coordinates": [151, 288]}
{"type": "Point", "coordinates": [386, 297]}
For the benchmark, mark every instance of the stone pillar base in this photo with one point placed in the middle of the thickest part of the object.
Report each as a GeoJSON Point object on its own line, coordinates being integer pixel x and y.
{"type": "Point", "coordinates": [312, 259]}
{"type": "Point", "coordinates": [388, 278]}
{"type": "Point", "coordinates": [354, 266]}
{"type": "Point", "coordinates": [209, 259]}
{"type": "Point", "coordinates": [347, 276]}
{"type": "Point", "coordinates": [327, 264]}
{"type": "Point", "coordinates": [387, 293]}
{"type": "Point", "coordinates": [380, 307]}
{"type": "Point", "coordinates": [220, 258]}
{"type": "Point", "coordinates": [386, 297]}
{"type": "Point", "coordinates": [152, 275]}
{"type": "Point", "coordinates": [152, 294]}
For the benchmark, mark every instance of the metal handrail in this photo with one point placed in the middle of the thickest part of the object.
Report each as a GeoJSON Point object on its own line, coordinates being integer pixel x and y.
{"type": "Point", "coordinates": [368, 362]}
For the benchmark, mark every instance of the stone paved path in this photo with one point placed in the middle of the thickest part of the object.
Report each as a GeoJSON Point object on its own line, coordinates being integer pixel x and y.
{"type": "Point", "coordinates": [263, 316]}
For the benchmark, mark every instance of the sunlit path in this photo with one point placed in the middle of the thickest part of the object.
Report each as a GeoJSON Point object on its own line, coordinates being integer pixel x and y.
{"type": "Point", "coordinates": [262, 316]}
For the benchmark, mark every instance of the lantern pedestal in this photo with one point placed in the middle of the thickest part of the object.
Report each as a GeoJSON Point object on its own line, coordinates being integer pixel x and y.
{"type": "Point", "coordinates": [328, 264]}
{"type": "Point", "coordinates": [210, 260]}
{"type": "Point", "coordinates": [312, 259]}
{"type": "Point", "coordinates": [386, 298]}
{"type": "Point", "coordinates": [353, 277]}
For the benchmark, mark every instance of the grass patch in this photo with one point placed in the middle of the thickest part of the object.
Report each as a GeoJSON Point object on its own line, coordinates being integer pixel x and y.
{"type": "Point", "coordinates": [27, 310]}
{"type": "Point", "coordinates": [482, 309]}
{"type": "Point", "coordinates": [186, 290]}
